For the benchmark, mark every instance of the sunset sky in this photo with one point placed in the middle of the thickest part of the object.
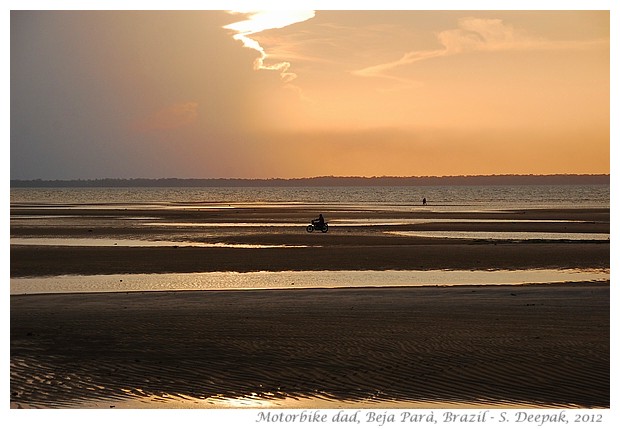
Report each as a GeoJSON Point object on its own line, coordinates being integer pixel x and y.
{"type": "Point", "coordinates": [209, 94]}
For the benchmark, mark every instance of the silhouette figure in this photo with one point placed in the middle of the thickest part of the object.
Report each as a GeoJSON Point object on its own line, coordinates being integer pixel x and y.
{"type": "Point", "coordinates": [319, 222]}
{"type": "Point", "coordinates": [423, 201]}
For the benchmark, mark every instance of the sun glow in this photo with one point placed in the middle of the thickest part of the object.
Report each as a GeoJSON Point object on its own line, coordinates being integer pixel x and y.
{"type": "Point", "coordinates": [279, 93]}
{"type": "Point", "coordinates": [258, 21]}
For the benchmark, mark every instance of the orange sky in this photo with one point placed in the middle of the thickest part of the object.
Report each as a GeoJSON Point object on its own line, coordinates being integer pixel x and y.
{"type": "Point", "coordinates": [370, 93]}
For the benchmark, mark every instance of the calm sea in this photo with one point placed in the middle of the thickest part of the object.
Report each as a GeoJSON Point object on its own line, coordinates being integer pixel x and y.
{"type": "Point", "coordinates": [456, 197]}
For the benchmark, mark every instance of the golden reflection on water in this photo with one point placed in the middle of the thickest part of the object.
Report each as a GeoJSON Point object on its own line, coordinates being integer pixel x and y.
{"type": "Point", "coordinates": [259, 401]}
{"type": "Point", "coordinates": [298, 280]}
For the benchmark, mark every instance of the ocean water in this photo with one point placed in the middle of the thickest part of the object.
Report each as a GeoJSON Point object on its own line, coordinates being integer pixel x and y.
{"type": "Point", "coordinates": [438, 197]}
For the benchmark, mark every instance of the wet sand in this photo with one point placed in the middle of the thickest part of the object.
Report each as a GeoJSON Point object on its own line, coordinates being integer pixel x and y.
{"type": "Point", "coordinates": [366, 246]}
{"type": "Point", "coordinates": [467, 346]}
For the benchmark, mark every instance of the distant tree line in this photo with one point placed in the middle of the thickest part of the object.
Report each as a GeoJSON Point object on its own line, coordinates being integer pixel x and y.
{"type": "Point", "coordinates": [555, 179]}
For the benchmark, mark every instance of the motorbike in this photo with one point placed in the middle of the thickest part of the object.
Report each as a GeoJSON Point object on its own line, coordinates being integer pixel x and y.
{"type": "Point", "coordinates": [315, 225]}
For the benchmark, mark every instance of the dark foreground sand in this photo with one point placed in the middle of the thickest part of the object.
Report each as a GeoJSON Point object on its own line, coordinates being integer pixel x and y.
{"type": "Point", "coordinates": [532, 346]}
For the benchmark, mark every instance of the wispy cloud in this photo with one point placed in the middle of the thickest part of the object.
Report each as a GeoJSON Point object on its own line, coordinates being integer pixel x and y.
{"type": "Point", "coordinates": [259, 21]}
{"type": "Point", "coordinates": [380, 70]}
{"type": "Point", "coordinates": [474, 35]}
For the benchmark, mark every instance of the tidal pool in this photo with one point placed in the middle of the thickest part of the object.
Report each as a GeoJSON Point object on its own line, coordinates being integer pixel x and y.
{"type": "Point", "coordinates": [297, 279]}
{"type": "Point", "coordinates": [505, 235]}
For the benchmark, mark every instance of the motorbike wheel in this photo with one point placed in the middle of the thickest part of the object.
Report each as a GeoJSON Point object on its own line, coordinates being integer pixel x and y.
{"type": "Point", "coordinates": [324, 229]}
{"type": "Point", "coordinates": [309, 228]}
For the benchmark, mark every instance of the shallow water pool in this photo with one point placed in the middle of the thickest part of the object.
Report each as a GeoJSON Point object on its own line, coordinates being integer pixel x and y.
{"type": "Point", "coordinates": [297, 279]}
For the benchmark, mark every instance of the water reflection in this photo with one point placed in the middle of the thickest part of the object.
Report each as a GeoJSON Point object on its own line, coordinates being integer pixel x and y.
{"type": "Point", "coordinates": [505, 235]}
{"type": "Point", "coordinates": [297, 280]}
{"type": "Point", "coordinates": [110, 242]}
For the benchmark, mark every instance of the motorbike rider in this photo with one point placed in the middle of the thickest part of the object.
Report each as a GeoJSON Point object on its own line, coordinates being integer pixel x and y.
{"type": "Point", "coordinates": [319, 222]}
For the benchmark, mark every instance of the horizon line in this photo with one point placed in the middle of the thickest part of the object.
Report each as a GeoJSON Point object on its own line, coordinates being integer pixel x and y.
{"type": "Point", "coordinates": [323, 181]}
{"type": "Point", "coordinates": [319, 177]}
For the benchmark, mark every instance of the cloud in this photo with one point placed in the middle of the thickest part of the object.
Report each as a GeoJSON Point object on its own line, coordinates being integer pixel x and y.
{"type": "Point", "coordinates": [474, 35]}
{"type": "Point", "coordinates": [171, 117]}
{"type": "Point", "coordinates": [409, 58]}
{"type": "Point", "coordinates": [483, 35]}
{"type": "Point", "coordinates": [259, 21]}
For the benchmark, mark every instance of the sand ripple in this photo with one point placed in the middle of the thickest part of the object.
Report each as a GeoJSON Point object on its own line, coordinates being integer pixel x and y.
{"type": "Point", "coordinates": [497, 346]}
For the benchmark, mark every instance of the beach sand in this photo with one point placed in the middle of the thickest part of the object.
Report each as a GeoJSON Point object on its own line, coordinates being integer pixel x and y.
{"type": "Point", "coordinates": [363, 245]}
{"type": "Point", "coordinates": [466, 346]}
{"type": "Point", "coordinates": [529, 346]}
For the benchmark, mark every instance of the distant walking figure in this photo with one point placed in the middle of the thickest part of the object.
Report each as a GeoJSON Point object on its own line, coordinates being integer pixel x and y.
{"type": "Point", "coordinates": [423, 201]}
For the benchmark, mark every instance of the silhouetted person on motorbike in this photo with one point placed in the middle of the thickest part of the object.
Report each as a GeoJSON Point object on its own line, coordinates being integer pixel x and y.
{"type": "Point", "coordinates": [319, 222]}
